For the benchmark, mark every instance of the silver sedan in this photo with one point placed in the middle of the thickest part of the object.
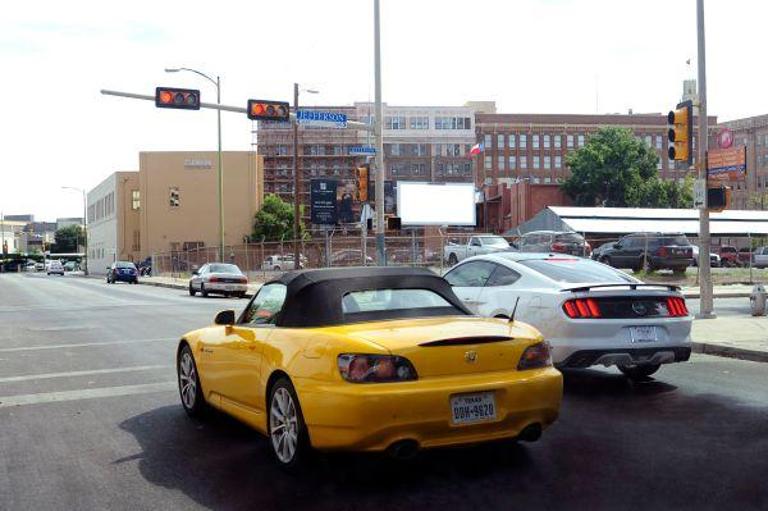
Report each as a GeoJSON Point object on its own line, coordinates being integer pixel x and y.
{"type": "Point", "coordinates": [218, 278]}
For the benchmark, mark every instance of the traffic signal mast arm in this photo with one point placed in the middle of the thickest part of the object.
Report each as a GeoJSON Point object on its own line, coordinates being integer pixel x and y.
{"type": "Point", "coordinates": [237, 109]}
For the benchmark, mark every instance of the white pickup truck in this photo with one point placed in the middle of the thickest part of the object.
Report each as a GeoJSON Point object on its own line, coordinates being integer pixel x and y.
{"type": "Point", "coordinates": [476, 245]}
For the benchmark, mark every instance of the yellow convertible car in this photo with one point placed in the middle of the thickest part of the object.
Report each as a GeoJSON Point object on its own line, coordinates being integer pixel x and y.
{"type": "Point", "coordinates": [369, 359]}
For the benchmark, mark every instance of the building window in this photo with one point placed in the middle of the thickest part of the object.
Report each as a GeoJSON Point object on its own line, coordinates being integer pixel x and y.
{"type": "Point", "coordinates": [536, 162]}
{"type": "Point", "coordinates": [523, 141]}
{"type": "Point", "coordinates": [581, 140]}
{"type": "Point", "coordinates": [500, 142]}
{"type": "Point", "coordinates": [558, 162]}
{"type": "Point", "coordinates": [487, 142]}
{"type": "Point", "coordinates": [281, 150]}
{"type": "Point", "coordinates": [394, 150]}
{"type": "Point", "coordinates": [648, 141]}
{"type": "Point", "coordinates": [547, 162]}
{"type": "Point", "coordinates": [338, 150]}
{"type": "Point", "coordinates": [569, 141]}
{"type": "Point", "coordinates": [488, 163]}
{"type": "Point", "coordinates": [453, 123]}
{"type": "Point", "coordinates": [523, 162]}
{"type": "Point", "coordinates": [658, 141]}
{"type": "Point", "coordinates": [535, 142]}
{"type": "Point", "coordinates": [394, 122]}
{"type": "Point", "coordinates": [546, 141]}
{"type": "Point", "coordinates": [419, 123]}
{"type": "Point", "coordinates": [174, 199]}
{"type": "Point", "coordinates": [512, 143]}
{"type": "Point", "coordinates": [512, 163]}
{"type": "Point", "coordinates": [135, 199]}
{"type": "Point", "coordinates": [500, 162]}
{"type": "Point", "coordinates": [558, 141]}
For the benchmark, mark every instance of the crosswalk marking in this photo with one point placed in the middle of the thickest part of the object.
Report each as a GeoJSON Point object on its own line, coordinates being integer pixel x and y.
{"type": "Point", "coordinates": [77, 395]}
{"type": "Point", "coordinates": [47, 376]}
{"type": "Point", "coordinates": [84, 344]}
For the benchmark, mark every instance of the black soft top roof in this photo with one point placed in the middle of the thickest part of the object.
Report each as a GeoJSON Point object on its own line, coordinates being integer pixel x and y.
{"type": "Point", "coordinates": [313, 297]}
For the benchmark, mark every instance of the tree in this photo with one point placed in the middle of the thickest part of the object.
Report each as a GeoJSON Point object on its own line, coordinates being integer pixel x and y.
{"type": "Point", "coordinates": [67, 239]}
{"type": "Point", "coordinates": [274, 221]}
{"type": "Point", "coordinates": [615, 169]}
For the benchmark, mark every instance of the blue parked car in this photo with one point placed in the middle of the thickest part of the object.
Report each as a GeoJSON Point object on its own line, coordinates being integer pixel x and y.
{"type": "Point", "coordinates": [122, 271]}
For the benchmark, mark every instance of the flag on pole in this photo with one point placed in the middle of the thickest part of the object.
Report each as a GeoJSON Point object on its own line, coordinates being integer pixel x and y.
{"type": "Point", "coordinates": [477, 149]}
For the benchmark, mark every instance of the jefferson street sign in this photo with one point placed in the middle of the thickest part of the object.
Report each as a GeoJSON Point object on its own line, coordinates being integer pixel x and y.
{"type": "Point", "coordinates": [322, 119]}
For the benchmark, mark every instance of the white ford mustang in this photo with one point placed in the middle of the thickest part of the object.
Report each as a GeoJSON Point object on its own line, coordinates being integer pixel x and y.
{"type": "Point", "coordinates": [591, 313]}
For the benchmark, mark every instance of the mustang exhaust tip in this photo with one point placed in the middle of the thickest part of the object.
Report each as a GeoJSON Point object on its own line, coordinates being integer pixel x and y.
{"type": "Point", "coordinates": [403, 449]}
{"type": "Point", "coordinates": [530, 433]}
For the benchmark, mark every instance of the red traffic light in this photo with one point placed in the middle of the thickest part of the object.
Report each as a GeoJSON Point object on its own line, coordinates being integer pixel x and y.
{"type": "Point", "coordinates": [267, 110]}
{"type": "Point", "coordinates": [184, 99]}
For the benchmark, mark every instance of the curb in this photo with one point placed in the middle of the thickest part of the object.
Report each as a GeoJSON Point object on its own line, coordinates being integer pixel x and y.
{"type": "Point", "coordinates": [719, 350]}
{"type": "Point", "coordinates": [175, 286]}
{"type": "Point", "coordinates": [718, 295]}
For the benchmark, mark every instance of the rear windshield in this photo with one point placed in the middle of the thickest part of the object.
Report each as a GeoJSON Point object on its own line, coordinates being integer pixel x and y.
{"type": "Point", "coordinates": [121, 264]}
{"type": "Point", "coordinates": [224, 268]}
{"type": "Point", "coordinates": [577, 271]}
{"type": "Point", "coordinates": [494, 241]}
{"type": "Point", "coordinates": [570, 237]}
{"type": "Point", "coordinates": [395, 303]}
{"type": "Point", "coordinates": [680, 241]}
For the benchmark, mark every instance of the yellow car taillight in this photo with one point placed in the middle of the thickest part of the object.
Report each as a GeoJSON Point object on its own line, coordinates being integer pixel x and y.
{"type": "Point", "coordinates": [361, 368]}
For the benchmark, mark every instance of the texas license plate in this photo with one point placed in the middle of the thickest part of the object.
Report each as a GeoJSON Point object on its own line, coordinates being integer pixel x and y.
{"type": "Point", "coordinates": [644, 333]}
{"type": "Point", "coordinates": [471, 408]}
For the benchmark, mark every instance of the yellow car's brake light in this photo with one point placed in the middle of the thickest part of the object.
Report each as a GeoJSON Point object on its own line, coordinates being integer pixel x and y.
{"type": "Point", "coordinates": [361, 368]}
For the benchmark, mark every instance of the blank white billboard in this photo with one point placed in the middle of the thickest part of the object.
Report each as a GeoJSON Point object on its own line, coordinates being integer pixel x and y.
{"type": "Point", "coordinates": [436, 204]}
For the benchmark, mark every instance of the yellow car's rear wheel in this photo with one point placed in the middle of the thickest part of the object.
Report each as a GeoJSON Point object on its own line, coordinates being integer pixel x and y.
{"type": "Point", "coordinates": [287, 431]}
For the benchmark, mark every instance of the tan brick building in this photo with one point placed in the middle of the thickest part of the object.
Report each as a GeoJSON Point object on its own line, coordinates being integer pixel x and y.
{"type": "Point", "coordinates": [170, 204]}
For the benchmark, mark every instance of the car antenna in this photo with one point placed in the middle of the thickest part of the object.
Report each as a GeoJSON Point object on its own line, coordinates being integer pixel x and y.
{"type": "Point", "coordinates": [512, 317]}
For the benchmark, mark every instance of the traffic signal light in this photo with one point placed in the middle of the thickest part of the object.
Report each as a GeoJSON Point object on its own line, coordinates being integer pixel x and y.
{"type": "Point", "coordinates": [718, 198]}
{"type": "Point", "coordinates": [266, 110]}
{"type": "Point", "coordinates": [394, 223]}
{"type": "Point", "coordinates": [680, 132]}
{"type": "Point", "coordinates": [363, 182]}
{"type": "Point", "coordinates": [184, 99]}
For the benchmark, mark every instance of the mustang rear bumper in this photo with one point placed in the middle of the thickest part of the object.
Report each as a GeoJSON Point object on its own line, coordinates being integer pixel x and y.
{"type": "Point", "coordinates": [608, 357]}
{"type": "Point", "coordinates": [371, 417]}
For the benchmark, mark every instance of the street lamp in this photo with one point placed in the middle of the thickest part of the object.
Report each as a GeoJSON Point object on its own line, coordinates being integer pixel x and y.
{"type": "Point", "coordinates": [217, 83]}
{"type": "Point", "coordinates": [85, 226]}
{"type": "Point", "coordinates": [296, 179]}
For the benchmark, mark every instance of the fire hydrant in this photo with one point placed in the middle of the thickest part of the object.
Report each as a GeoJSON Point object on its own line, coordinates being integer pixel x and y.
{"type": "Point", "coordinates": [757, 300]}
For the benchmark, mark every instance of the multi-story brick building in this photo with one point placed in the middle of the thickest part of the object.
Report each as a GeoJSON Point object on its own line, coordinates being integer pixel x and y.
{"type": "Point", "coordinates": [534, 146]}
{"type": "Point", "coordinates": [421, 143]}
{"type": "Point", "coordinates": [752, 132]}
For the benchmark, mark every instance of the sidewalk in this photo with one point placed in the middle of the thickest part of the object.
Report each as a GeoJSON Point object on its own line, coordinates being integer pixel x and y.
{"type": "Point", "coordinates": [744, 337]}
{"type": "Point", "coordinates": [723, 291]}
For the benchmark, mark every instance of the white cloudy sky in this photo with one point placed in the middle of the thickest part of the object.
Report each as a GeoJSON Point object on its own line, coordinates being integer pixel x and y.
{"type": "Point", "coordinates": [527, 55]}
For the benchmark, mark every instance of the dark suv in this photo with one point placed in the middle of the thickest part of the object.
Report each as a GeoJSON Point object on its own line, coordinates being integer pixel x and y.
{"type": "Point", "coordinates": [554, 242]}
{"type": "Point", "coordinates": [665, 252]}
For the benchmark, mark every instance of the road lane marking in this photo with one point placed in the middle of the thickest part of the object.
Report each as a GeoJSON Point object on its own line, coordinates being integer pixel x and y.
{"type": "Point", "coordinates": [84, 344]}
{"type": "Point", "coordinates": [77, 395]}
{"type": "Point", "coordinates": [47, 376]}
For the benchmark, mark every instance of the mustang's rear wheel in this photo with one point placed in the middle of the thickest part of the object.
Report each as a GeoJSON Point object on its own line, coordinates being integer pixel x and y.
{"type": "Point", "coordinates": [287, 431]}
{"type": "Point", "coordinates": [639, 372]}
{"type": "Point", "coordinates": [190, 391]}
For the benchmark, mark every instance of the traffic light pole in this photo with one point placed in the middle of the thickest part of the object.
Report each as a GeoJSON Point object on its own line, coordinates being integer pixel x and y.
{"type": "Point", "coordinates": [379, 119]}
{"type": "Point", "coordinates": [705, 274]}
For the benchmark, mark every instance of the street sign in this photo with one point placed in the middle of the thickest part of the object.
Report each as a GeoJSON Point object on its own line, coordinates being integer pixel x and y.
{"type": "Point", "coordinates": [727, 164]}
{"type": "Point", "coordinates": [322, 119]}
{"type": "Point", "coordinates": [322, 201]}
{"type": "Point", "coordinates": [699, 193]}
{"type": "Point", "coordinates": [362, 150]}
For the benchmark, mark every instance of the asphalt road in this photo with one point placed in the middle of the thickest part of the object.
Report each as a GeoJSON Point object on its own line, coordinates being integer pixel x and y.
{"type": "Point", "coordinates": [89, 419]}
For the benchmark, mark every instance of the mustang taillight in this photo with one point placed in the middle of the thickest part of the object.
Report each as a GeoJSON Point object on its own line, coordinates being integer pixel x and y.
{"type": "Point", "coordinates": [582, 308]}
{"type": "Point", "coordinates": [244, 280]}
{"type": "Point", "coordinates": [359, 368]}
{"type": "Point", "coordinates": [535, 357]}
{"type": "Point", "coordinates": [676, 307]}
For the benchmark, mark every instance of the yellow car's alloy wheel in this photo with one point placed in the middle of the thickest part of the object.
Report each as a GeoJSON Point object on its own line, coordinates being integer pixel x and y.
{"type": "Point", "coordinates": [283, 425]}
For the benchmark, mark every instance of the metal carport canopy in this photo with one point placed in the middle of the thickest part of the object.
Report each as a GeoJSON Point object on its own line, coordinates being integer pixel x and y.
{"type": "Point", "coordinates": [629, 220]}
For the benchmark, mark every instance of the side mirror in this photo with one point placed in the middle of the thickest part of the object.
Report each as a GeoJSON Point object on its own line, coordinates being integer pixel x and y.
{"type": "Point", "coordinates": [225, 318]}
{"type": "Point", "coordinates": [195, 272]}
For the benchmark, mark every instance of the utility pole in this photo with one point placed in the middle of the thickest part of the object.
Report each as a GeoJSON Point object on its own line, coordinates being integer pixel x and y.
{"type": "Point", "coordinates": [706, 309]}
{"type": "Point", "coordinates": [380, 257]}
{"type": "Point", "coordinates": [296, 180]}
